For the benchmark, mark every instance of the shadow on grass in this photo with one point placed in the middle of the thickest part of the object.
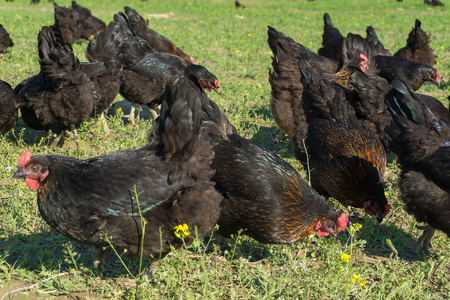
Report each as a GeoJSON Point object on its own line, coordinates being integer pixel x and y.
{"type": "Point", "coordinates": [50, 251]}
{"type": "Point", "coordinates": [142, 111]}
{"type": "Point", "coordinates": [377, 236]}
{"type": "Point", "coordinates": [375, 247]}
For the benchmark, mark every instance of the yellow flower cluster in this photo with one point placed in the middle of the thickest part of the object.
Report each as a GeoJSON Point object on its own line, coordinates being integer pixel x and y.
{"type": "Point", "coordinates": [357, 278]}
{"type": "Point", "coordinates": [181, 231]}
{"type": "Point", "coordinates": [345, 257]}
{"type": "Point", "coordinates": [357, 226]}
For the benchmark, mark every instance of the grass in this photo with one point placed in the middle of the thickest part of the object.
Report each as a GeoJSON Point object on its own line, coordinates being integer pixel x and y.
{"type": "Point", "coordinates": [39, 263]}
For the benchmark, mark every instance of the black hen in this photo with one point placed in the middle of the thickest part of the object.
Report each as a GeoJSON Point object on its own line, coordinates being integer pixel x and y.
{"type": "Point", "coordinates": [422, 143]}
{"type": "Point", "coordinates": [76, 22]}
{"type": "Point", "coordinates": [106, 199]}
{"type": "Point", "coordinates": [146, 71]}
{"type": "Point", "coordinates": [434, 2]}
{"type": "Point", "coordinates": [139, 26]}
{"type": "Point", "coordinates": [62, 95]}
{"type": "Point", "coordinates": [5, 39]}
{"type": "Point", "coordinates": [417, 47]}
{"type": "Point", "coordinates": [286, 103]}
{"type": "Point", "coordinates": [9, 106]}
{"type": "Point", "coordinates": [262, 193]}
{"type": "Point", "coordinates": [88, 24]}
{"type": "Point", "coordinates": [331, 38]}
{"type": "Point", "coordinates": [345, 158]}
{"type": "Point", "coordinates": [413, 74]}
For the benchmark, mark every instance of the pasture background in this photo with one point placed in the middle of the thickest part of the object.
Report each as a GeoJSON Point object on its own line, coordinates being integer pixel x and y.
{"type": "Point", "coordinates": [232, 44]}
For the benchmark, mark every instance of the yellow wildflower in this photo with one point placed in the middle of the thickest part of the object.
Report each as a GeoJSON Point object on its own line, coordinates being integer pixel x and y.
{"type": "Point", "coordinates": [237, 51]}
{"type": "Point", "coordinates": [345, 257]}
{"type": "Point", "coordinates": [357, 226]}
{"type": "Point", "coordinates": [442, 47]}
{"type": "Point", "coordinates": [357, 278]}
{"type": "Point", "coordinates": [181, 231]}
{"type": "Point", "coordinates": [249, 34]}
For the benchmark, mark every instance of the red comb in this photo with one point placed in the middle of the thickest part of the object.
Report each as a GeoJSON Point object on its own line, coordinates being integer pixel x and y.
{"type": "Point", "coordinates": [363, 57]}
{"type": "Point", "coordinates": [342, 222]}
{"type": "Point", "coordinates": [216, 83]}
{"type": "Point", "coordinates": [438, 74]}
{"type": "Point", "coordinates": [24, 158]}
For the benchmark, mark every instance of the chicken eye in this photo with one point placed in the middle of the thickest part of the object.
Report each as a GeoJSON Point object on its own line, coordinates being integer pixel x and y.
{"type": "Point", "coordinates": [34, 167]}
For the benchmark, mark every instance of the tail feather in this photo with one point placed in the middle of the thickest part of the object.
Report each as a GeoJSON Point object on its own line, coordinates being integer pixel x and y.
{"type": "Point", "coordinates": [323, 99]}
{"type": "Point", "coordinates": [57, 59]}
{"type": "Point", "coordinates": [185, 144]}
{"type": "Point", "coordinates": [108, 46]}
{"type": "Point", "coordinates": [418, 38]}
{"type": "Point", "coordinates": [404, 104]}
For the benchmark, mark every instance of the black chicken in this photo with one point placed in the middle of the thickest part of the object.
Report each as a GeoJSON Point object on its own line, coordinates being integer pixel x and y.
{"type": "Point", "coordinates": [434, 2]}
{"type": "Point", "coordinates": [62, 95]}
{"type": "Point", "coordinates": [9, 106]}
{"type": "Point", "coordinates": [344, 157]}
{"type": "Point", "coordinates": [413, 74]}
{"type": "Point", "coordinates": [76, 22]}
{"type": "Point", "coordinates": [105, 200]}
{"type": "Point", "coordinates": [262, 193]}
{"type": "Point", "coordinates": [88, 24]}
{"type": "Point", "coordinates": [286, 104]}
{"type": "Point", "coordinates": [422, 143]}
{"type": "Point", "coordinates": [417, 47]}
{"type": "Point", "coordinates": [278, 41]}
{"type": "Point", "coordinates": [5, 39]}
{"type": "Point", "coordinates": [331, 38]}
{"type": "Point", "coordinates": [139, 27]}
{"type": "Point", "coordinates": [144, 70]}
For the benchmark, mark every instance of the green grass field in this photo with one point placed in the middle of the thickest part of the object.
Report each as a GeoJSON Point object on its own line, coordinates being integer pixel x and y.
{"type": "Point", "coordinates": [38, 263]}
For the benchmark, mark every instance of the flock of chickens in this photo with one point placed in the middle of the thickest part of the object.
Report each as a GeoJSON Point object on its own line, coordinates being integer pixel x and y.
{"type": "Point", "coordinates": [345, 108]}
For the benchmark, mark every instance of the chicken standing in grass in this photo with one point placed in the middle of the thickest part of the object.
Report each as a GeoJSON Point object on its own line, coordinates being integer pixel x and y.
{"type": "Point", "coordinates": [422, 143]}
{"type": "Point", "coordinates": [145, 71]}
{"type": "Point", "coordinates": [345, 158]}
{"type": "Point", "coordinates": [108, 200]}
{"type": "Point", "coordinates": [62, 95]}
{"type": "Point", "coordinates": [263, 194]}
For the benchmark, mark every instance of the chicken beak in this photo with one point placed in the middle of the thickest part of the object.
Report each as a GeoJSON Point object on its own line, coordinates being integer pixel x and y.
{"type": "Point", "coordinates": [19, 173]}
{"type": "Point", "coordinates": [216, 90]}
